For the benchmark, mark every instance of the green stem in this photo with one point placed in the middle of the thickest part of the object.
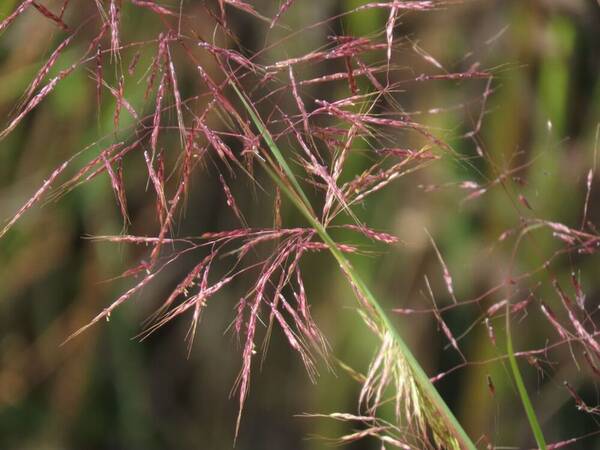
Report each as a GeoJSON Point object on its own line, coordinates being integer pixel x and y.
{"type": "Point", "coordinates": [531, 416]}
{"type": "Point", "coordinates": [297, 196]}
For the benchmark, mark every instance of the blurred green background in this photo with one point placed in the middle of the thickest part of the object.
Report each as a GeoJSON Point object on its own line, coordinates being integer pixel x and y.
{"type": "Point", "coordinates": [107, 390]}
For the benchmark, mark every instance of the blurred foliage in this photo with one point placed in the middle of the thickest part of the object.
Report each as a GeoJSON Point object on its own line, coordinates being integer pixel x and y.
{"type": "Point", "coordinates": [106, 390]}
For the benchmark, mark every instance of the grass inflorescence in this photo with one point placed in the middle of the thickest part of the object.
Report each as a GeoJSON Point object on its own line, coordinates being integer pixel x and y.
{"type": "Point", "coordinates": [249, 117]}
